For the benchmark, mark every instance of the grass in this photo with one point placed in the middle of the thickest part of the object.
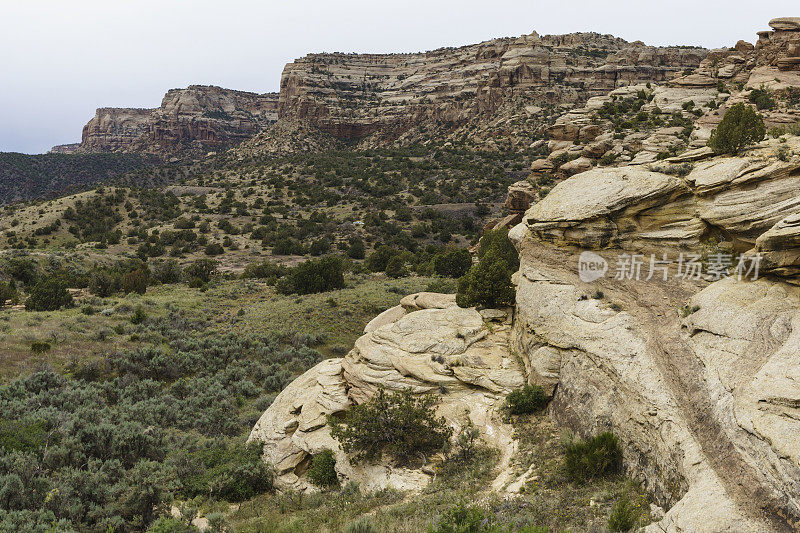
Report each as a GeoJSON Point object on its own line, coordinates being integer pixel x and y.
{"type": "Point", "coordinates": [75, 335]}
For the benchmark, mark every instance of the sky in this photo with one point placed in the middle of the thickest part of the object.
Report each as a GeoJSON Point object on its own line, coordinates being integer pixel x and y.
{"type": "Point", "coordinates": [62, 59]}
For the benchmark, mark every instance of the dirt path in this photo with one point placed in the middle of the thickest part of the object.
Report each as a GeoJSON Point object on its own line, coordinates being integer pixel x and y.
{"type": "Point", "coordinates": [654, 305]}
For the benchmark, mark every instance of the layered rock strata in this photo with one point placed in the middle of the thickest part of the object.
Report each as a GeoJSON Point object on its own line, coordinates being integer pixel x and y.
{"type": "Point", "coordinates": [198, 117]}
{"type": "Point", "coordinates": [355, 95]}
{"type": "Point", "coordinates": [426, 345]}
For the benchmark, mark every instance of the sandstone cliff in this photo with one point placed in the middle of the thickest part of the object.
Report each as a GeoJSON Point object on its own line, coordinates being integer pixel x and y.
{"type": "Point", "coordinates": [356, 95]}
{"type": "Point", "coordinates": [198, 118]}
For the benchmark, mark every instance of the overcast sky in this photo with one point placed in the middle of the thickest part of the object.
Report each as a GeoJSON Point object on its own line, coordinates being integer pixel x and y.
{"type": "Point", "coordinates": [61, 59]}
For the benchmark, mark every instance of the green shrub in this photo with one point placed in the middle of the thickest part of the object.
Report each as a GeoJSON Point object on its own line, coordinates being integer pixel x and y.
{"type": "Point", "coordinates": [313, 276]}
{"type": "Point", "coordinates": [624, 515]}
{"type": "Point", "coordinates": [7, 292]}
{"type": "Point", "coordinates": [323, 472]}
{"type": "Point", "coordinates": [166, 271]}
{"type": "Point", "coordinates": [398, 423]}
{"type": "Point", "coordinates": [22, 435]}
{"type": "Point", "coordinates": [488, 284]}
{"type": "Point", "coordinates": [40, 347]}
{"type": "Point", "coordinates": [233, 471]}
{"type": "Point", "coordinates": [139, 315]}
{"type": "Point", "coordinates": [202, 270]}
{"type": "Point", "coordinates": [362, 525]}
{"type": "Point", "coordinates": [462, 518]}
{"type": "Point", "coordinates": [599, 456]}
{"type": "Point", "coordinates": [169, 524]}
{"type": "Point", "coordinates": [497, 242]}
{"type": "Point", "coordinates": [452, 264]}
{"type": "Point", "coordinates": [214, 249]}
{"type": "Point", "coordinates": [263, 270]}
{"type": "Point", "coordinates": [379, 259]}
{"type": "Point", "coordinates": [396, 267]}
{"type": "Point", "coordinates": [320, 247]}
{"type": "Point", "coordinates": [50, 294]}
{"type": "Point", "coordinates": [136, 281]}
{"type": "Point", "coordinates": [103, 284]}
{"type": "Point", "coordinates": [740, 127]}
{"type": "Point", "coordinates": [356, 249]}
{"type": "Point", "coordinates": [762, 98]}
{"type": "Point", "coordinates": [529, 399]}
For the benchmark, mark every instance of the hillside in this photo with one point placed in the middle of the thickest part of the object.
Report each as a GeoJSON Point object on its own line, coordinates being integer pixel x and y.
{"type": "Point", "coordinates": [29, 177]}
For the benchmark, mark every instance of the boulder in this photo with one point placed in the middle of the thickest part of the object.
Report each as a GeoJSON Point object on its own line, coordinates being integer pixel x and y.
{"type": "Point", "coordinates": [542, 165]}
{"type": "Point", "coordinates": [428, 300]}
{"type": "Point", "coordinates": [576, 166]}
{"type": "Point", "coordinates": [387, 317]}
{"type": "Point", "coordinates": [785, 24]}
{"type": "Point", "coordinates": [603, 205]}
{"type": "Point", "coordinates": [563, 132]}
{"type": "Point", "coordinates": [447, 351]}
{"type": "Point", "coordinates": [520, 196]}
{"type": "Point", "coordinates": [596, 150]}
{"type": "Point", "coordinates": [780, 248]}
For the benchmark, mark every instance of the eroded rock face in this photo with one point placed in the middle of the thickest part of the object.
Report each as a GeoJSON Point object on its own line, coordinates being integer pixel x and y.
{"type": "Point", "coordinates": [685, 396]}
{"type": "Point", "coordinates": [705, 403]}
{"type": "Point", "coordinates": [429, 345]}
{"type": "Point", "coordinates": [198, 117]}
{"type": "Point", "coordinates": [607, 206]}
{"type": "Point", "coordinates": [114, 129]}
{"type": "Point", "coordinates": [779, 248]}
{"type": "Point", "coordinates": [389, 94]}
{"type": "Point", "coordinates": [734, 199]}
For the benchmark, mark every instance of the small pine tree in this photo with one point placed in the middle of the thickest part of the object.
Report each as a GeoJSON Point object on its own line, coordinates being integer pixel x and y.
{"type": "Point", "coordinates": [488, 284]}
{"type": "Point", "coordinates": [740, 127]}
{"type": "Point", "coordinates": [399, 423]}
{"type": "Point", "coordinates": [452, 264]}
{"type": "Point", "coordinates": [356, 249]}
{"type": "Point", "coordinates": [396, 267]}
{"type": "Point", "coordinates": [599, 456]}
{"type": "Point", "coordinates": [136, 281]}
{"type": "Point", "coordinates": [50, 294]}
{"type": "Point", "coordinates": [529, 399]}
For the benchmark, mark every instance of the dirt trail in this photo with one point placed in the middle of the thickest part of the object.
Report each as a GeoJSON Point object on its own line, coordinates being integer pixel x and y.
{"type": "Point", "coordinates": [654, 304]}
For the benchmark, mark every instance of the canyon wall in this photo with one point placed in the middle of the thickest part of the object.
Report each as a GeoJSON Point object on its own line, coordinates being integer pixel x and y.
{"type": "Point", "coordinates": [355, 95]}
{"type": "Point", "coordinates": [199, 118]}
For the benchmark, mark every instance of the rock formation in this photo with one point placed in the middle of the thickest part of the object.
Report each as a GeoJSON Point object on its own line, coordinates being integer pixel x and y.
{"type": "Point", "coordinates": [697, 375]}
{"type": "Point", "coordinates": [355, 95]}
{"type": "Point", "coordinates": [114, 129]}
{"type": "Point", "coordinates": [427, 344]}
{"type": "Point", "coordinates": [733, 199]}
{"type": "Point", "coordinates": [704, 399]}
{"type": "Point", "coordinates": [198, 117]}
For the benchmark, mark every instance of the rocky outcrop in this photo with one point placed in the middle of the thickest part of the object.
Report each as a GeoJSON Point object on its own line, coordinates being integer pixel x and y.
{"type": "Point", "coordinates": [779, 248]}
{"type": "Point", "coordinates": [704, 398]}
{"type": "Point", "coordinates": [196, 118]}
{"type": "Point", "coordinates": [697, 376]}
{"type": "Point", "coordinates": [733, 199]}
{"type": "Point", "coordinates": [65, 148]}
{"type": "Point", "coordinates": [212, 116]}
{"type": "Point", "coordinates": [114, 129]}
{"type": "Point", "coordinates": [356, 95]}
{"type": "Point", "coordinates": [686, 396]}
{"type": "Point", "coordinates": [427, 345]}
